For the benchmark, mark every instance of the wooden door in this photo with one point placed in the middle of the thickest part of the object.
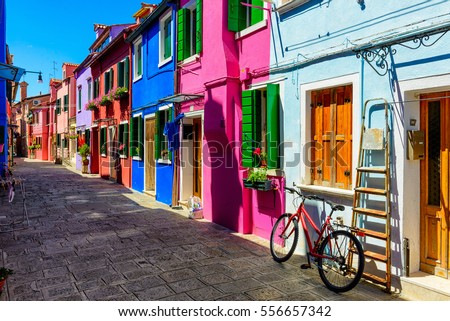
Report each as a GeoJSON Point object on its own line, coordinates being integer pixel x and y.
{"type": "Point", "coordinates": [197, 181]}
{"type": "Point", "coordinates": [149, 149]}
{"type": "Point", "coordinates": [434, 176]}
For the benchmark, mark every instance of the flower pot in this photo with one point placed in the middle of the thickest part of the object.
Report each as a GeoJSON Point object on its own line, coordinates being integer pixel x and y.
{"type": "Point", "coordinates": [258, 185]}
{"type": "Point", "coordinates": [85, 162]}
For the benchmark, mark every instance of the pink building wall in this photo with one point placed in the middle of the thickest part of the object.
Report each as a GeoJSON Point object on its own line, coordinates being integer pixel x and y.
{"type": "Point", "coordinates": [216, 75]}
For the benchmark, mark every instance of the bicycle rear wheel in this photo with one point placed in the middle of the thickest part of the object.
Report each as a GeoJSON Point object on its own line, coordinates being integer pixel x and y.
{"type": "Point", "coordinates": [283, 239]}
{"type": "Point", "coordinates": [343, 264]}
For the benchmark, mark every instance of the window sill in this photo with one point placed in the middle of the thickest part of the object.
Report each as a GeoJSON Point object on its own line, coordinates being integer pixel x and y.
{"type": "Point", "coordinates": [123, 157]}
{"type": "Point", "coordinates": [137, 78]}
{"type": "Point", "coordinates": [256, 27]}
{"type": "Point", "coordinates": [327, 190]}
{"type": "Point", "coordinates": [137, 158]}
{"type": "Point", "coordinates": [290, 5]}
{"type": "Point", "coordinates": [164, 62]}
{"type": "Point", "coordinates": [103, 155]}
{"type": "Point", "coordinates": [190, 60]}
{"type": "Point", "coordinates": [164, 161]}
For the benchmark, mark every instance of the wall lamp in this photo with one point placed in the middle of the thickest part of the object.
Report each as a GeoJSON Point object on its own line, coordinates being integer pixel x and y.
{"type": "Point", "coordinates": [40, 81]}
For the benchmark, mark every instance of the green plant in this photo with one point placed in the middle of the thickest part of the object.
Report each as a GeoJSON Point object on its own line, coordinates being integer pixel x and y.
{"type": "Point", "coordinates": [32, 147]}
{"type": "Point", "coordinates": [257, 175]}
{"type": "Point", "coordinates": [120, 93]}
{"type": "Point", "coordinates": [84, 151]}
{"type": "Point", "coordinates": [106, 100]}
{"type": "Point", "coordinates": [4, 273]}
{"type": "Point", "coordinates": [91, 105]}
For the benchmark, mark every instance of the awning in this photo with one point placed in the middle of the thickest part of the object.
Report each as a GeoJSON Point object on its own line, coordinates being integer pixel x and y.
{"type": "Point", "coordinates": [10, 72]}
{"type": "Point", "coordinates": [179, 98]}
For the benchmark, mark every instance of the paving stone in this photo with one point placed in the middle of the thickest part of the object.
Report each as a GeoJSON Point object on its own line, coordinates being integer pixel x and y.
{"type": "Point", "coordinates": [239, 286]}
{"type": "Point", "coordinates": [58, 291]}
{"type": "Point", "coordinates": [154, 293]}
{"type": "Point", "coordinates": [216, 278]}
{"type": "Point", "coordinates": [104, 293]}
{"type": "Point", "coordinates": [143, 283]}
{"type": "Point", "coordinates": [178, 297]}
{"type": "Point", "coordinates": [205, 294]}
{"type": "Point", "coordinates": [264, 294]}
{"type": "Point", "coordinates": [186, 285]}
{"type": "Point", "coordinates": [178, 275]}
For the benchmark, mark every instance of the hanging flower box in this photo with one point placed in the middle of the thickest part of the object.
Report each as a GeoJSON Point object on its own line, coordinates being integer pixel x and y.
{"type": "Point", "coordinates": [106, 101]}
{"type": "Point", "coordinates": [258, 185]}
{"type": "Point", "coordinates": [120, 93]}
{"type": "Point", "coordinates": [91, 105]}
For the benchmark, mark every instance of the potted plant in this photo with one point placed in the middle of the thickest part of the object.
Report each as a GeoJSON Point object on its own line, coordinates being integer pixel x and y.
{"type": "Point", "coordinates": [120, 92]}
{"type": "Point", "coordinates": [91, 105]}
{"type": "Point", "coordinates": [262, 157]}
{"type": "Point", "coordinates": [257, 179]}
{"type": "Point", "coordinates": [106, 100]}
{"type": "Point", "coordinates": [4, 273]}
{"type": "Point", "coordinates": [31, 148]}
{"type": "Point", "coordinates": [84, 152]}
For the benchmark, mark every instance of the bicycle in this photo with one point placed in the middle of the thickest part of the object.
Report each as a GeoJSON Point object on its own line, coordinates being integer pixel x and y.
{"type": "Point", "coordinates": [337, 253]}
{"type": "Point", "coordinates": [9, 183]}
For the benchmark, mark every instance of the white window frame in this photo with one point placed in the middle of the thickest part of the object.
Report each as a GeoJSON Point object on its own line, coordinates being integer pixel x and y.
{"type": "Point", "coordinates": [136, 44]}
{"type": "Point", "coordinates": [305, 133]}
{"type": "Point", "coordinates": [256, 27]}
{"type": "Point", "coordinates": [162, 21]}
{"type": "Point", "coordinates": [286, 5]}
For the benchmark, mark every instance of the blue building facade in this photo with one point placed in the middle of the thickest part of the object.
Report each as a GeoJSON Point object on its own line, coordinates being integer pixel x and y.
{"type": "Point", "coordinates": [333, 57]}
{"type": "Point", "coordinates": [3, 114]}
{"type": "Point", "coordinates": [153, 65]}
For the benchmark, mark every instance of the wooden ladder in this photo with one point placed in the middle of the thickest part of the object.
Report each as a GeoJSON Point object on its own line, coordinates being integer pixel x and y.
{"type": "Point", "coordinates": [372, 188]}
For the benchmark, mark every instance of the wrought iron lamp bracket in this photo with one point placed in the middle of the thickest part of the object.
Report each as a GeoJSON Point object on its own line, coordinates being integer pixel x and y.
{"type": "Point", "coordinates": [377, 58]}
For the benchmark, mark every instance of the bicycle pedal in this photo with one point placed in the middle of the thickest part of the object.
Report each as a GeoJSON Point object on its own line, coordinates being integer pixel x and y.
{"type": "Point", "coordinates": [305, 266]}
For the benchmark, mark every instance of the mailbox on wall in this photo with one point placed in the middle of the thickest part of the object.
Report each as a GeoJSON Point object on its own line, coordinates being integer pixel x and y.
{"type": "Point", "coordinates": [416, 144]}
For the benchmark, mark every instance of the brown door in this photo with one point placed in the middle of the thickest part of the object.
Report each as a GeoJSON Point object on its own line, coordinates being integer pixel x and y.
{"type": "Point", "coordinates": [434, 176]}
{"type": "Point", "coordinates": [197, 187]}
{"type": "Point", "coordinates": [150, 154]}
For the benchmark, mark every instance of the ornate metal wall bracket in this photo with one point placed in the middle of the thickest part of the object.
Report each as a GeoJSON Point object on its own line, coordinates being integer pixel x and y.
{"type": "Point", "coordinates": [423, 40]}
{"type": "Point", "coordinates": [377, 58]}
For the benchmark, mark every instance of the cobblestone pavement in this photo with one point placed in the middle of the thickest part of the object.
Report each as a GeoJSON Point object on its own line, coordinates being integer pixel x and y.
{"type": "Point", "coordinates": [91, 239]}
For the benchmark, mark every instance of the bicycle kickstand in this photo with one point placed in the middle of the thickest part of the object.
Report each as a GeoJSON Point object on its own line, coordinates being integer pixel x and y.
{"type": "Point", "coordinates": [305, 266]}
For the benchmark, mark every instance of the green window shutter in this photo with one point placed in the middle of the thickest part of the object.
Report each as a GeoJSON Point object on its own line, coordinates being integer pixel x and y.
{"type": "Point", "coordinates": [87, 137]}
{"type": "Point", "coordinates": [251, 126]}
{"type": "Point", "coordinates": [120, 74]}
{"type": "Point", "coordinates": [126, 136]}
{"type": "Point", "coordinates": [236, 16]}
{"type": "Point", "coordinates": [141, 137]}
{"type": "Point", "coordinates": [157, 135]}
{"type": "Point", "coordinates": [105, 82]}
{"type": "Point", "coordinates": [139, 60]}
{"type": "Point", "coordinates": [183, 34]}
{"type": "Point", "coordinates": [79, 99]}
{"type": "Point", "coordinates": [132, 143]}
{"type": "Point", "coordinates": [66, 102]}
{"type": "Point", "coordinates": [199, 26]}
{"type": "Point", "coordinates": [167, 38]}
{"type": "Point", "coordinates": [111, 79]}
{"type": "Point", "coordinates": [256, 14]}
{"type": "Point", "coordinates": [273, 125]}
{"type": "Point", "coordinates": [126, 75]}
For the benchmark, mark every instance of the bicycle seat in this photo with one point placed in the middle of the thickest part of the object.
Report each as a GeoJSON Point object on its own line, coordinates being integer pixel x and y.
{"type": "Point", "coordinates": [337, 207]}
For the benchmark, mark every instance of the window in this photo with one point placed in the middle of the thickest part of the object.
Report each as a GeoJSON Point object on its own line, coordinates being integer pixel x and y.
{"type": "Point", "coordinates": [161, 141]}
{"type": "Point", "coordinates": [137, 60]}
{"type": "Point", "coordinates": [66, 102]}
{"type": "Point", "coordinates": [58, 140]}
{"type": "Point", "coordinates": [331, 137]}
{"type": "Point", "coordinates": [123, 73]}
{"type": "Point", "coordinates": [79, 98]}
{"type": "Point", "coordinates": [103, 141]}
{"type": "Point", "coordinates": [96, 88]}
{"type": "Point", "coordinates": [108, 78]}
{"type": "Point", "coordinates": [87, 137]}
{"type": "Point", "coordinates": [190, 26]}
{"type": "Point", "coordinates": [165, 38]}
{"type": "Point", "coordinates": [285, 5]}
{"type": "Point", "coordinates": [137, 137]}
{"type": "Point", "coordinates": [58, 106]}
{"type": "Point", "coordinates": [261, 125]}
{"type": "Point", "coordinates": [123, 140]}
{"type": "Point", "coordinates": [241, 16]}
{"type": "Point", "coordinates": [89, 89]}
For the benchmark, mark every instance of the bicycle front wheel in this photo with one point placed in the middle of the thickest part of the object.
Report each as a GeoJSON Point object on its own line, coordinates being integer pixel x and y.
{"type": "Point", "coordinates": [341, 261]}
{"type": "Point", "coordinates": [284, 238]}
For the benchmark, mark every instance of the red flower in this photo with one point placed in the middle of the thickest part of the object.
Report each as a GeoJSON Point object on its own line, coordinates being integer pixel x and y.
{"type": "Point", "coordinates": [257, 151]}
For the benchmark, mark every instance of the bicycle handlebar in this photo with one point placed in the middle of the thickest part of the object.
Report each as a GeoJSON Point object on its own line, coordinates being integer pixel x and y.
{"type": "Point", "coordinates": [334, 206]}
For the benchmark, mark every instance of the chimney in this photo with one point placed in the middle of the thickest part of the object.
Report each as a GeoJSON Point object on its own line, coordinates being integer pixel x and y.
{"type": "Point", "coordinates": [23, 90]}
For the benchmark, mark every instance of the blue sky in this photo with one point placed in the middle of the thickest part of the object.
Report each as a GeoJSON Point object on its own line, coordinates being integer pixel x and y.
{"type": "Point", "coordinates": [40, 33]}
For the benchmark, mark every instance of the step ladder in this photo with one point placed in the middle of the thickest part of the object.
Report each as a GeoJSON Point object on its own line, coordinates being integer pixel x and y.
{"type": "Point", "coordinates": [371, 201]}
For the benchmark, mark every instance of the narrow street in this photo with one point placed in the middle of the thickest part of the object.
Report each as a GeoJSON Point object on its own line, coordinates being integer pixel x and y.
{"type": "Point", "coordinates": [91, 239]}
